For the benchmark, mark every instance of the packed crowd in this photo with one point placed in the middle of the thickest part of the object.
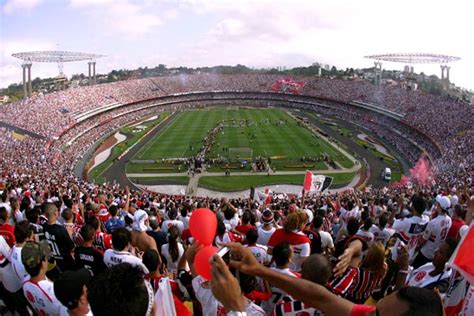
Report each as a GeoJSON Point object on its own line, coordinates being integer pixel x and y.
{"type": "Point", "coordinates": [335, 245]}
{"type": "Point", "coordinates": [70, 247]}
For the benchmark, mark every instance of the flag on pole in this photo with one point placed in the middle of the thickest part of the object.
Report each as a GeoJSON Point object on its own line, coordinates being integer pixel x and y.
{"type": "Point", "coordinates": [316, 183]}
{"type": "Point", "coordinates": [462, 259]}
{"type": "Point", "coordinates": [259, 196]}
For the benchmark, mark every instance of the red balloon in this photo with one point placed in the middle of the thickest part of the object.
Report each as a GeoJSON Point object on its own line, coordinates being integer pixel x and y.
{"type": "Point", "coordinates": [201, 261]}
{"type": "Point", "coordinates": [203, 225]}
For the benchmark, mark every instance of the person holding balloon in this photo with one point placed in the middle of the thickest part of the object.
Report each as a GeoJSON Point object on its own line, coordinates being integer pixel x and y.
{"type": "Point", "coordinates": [203, 225]}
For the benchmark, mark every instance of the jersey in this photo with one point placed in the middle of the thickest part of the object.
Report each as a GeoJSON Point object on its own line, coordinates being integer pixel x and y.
{"type": "Point", "coordinates": [102, 241]}
{"type": "Point", "coordinates": [278, 295]}
{"type": "Point", "coordinates": [347, 215]}
{"type": "Point", "coordinates": [364, 283]}
{"type": "Point", "coordinates": [104, 215]}
{"type": "Point", "coordinates": [90, 258]}
{"type": "Point", "coordinates": [421, 277]}
{"type": "Point", "coordinates": [113, 223]}
{"type": "Point", "coordinates": [260, 253]}
{"type": "Point", "coordinates": [114, 257]}
{"type": "Point", "coordinates": [19, 272]}
{"type": "Point", "coordinates": [61, 245]}
{"type": "Point", "coordinates": [264, 235]}
{"type": "Point", "coordinates": [300, 243]}
{"type": "Point", "coordinates": [341, 284]}
{"type": "Point", "coordinates": [381, 235]}
{"type": "Point", "coordinates": [409, 230]}
{"type": "Point", "coordinates": [435, 234]}
{"type": "Point", "coordinates": [41, 297]}
{"type": "Point", "coordinates": [367, 236]}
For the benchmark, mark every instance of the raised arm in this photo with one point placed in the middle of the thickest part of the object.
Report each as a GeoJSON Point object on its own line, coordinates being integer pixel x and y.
{"type": "Point", "coordinates": [308, 292]}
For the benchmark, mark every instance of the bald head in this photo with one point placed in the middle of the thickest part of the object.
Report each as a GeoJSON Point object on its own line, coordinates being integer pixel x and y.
{"type": "Point", "coordinates": [50, 211]}
{"type": "Point", "coordinates": [316, 268]}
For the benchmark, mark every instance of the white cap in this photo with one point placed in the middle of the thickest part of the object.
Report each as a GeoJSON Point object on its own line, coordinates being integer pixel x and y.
{"type": "Point", "coordinates": [139, 218]}
{"type": "Point", "coordinates": [443, 201]}
{"type": "Point", "coordinates": [310, 215]}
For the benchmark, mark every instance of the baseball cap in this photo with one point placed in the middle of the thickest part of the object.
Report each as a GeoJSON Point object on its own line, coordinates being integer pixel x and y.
{"type": "Point", "coordinates": [33, 253]}
{"type": "Point", "coordinates": [68, 288]}
{"type": "Point", "coordinates": [310, 215]}
{"type": "Point", "coordinates": [443, 201]}
{"type": "Point", "coordinates": [139, 218]}
{"type": "Point", "coordinates": [267, 216]}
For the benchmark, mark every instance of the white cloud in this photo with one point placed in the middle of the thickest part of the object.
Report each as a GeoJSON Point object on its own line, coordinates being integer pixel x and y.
{"type": "Point", "coordinates": [12, 6]}
{"type": "Point", "coordinates": [340, 32]}
{"type": "Point", "coordinates": [124, 17]}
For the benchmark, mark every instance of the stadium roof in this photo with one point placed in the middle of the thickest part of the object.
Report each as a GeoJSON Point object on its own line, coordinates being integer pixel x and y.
{"type": "Point", "coordinates": [55, 56]}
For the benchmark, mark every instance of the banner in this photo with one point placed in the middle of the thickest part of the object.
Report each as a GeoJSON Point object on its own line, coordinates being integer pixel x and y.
{"type": "Point", "coordinates": [316, 183]}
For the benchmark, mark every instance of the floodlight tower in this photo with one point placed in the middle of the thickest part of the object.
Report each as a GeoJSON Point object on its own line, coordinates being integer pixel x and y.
{"type": "Point", "coordinates": [59, 57]}
{"type": "Point", "coordinates": [410, 59]}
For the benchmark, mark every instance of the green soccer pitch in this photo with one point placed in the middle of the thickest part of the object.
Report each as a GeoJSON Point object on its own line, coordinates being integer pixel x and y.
{"type": "Point", "coordinates": [269, 132]}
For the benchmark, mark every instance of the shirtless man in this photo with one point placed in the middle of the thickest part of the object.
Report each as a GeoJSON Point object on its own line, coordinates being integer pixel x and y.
{"type": "Point", "coordinates": [140, 238]}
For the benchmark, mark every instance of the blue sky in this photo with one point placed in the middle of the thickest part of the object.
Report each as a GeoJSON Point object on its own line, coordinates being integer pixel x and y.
{"type": "Point", "coordinates": [258, 33]}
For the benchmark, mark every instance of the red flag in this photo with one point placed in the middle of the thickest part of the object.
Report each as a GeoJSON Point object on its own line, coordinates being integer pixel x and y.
{"type": "Point", "coordinates": [308, 179]}
{"type": "Point", "coordinates": [462, 259]}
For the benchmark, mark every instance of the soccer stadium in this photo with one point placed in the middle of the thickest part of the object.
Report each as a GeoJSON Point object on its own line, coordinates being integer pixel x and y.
{"type": "Point", "coordinates": [198, 191]}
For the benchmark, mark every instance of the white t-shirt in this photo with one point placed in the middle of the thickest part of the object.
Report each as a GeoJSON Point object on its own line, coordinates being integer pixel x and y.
{"type": "Point", "coordinates": [113, 257]}
{"type": "Point", "coordinates": [231, 223]}
{"type": "Point", "coordinates": [421, 277]}
{"type": "Point", "coordinates": [224, 240]}
{"type": "Point", "coordinates": [435, 234]}
{"type": "Point", "coordinates": [41, 297]}
{"type": "Point", "coordinates": [410, 230]}
{"type": "Point", "coordinates": [168, 223]}
{"type": "Point", "coordinates": [19, 273]}
{"type": "Point", "coordinates": [326, 240]}
{"type": "Point", "coordinates": [7, 276]}
{"type": "Point", "coordinates": [211, 306]}
{"type": "Point", "coordinates": [172, 266]}
{"type": "Point", "coordinates": [264, 235]}
{"type": "Point", "coordinates": [260, 253]}
{"type": "Point", "coordinates": [185, 221]}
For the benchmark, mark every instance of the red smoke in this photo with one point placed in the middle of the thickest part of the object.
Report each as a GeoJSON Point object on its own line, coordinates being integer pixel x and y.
{"type": "Point", "coordinates": [420, 173]}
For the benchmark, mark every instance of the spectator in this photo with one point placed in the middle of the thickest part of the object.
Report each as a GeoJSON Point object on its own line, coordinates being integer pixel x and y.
{"type": "Point", "coordinates": [86, 255]}
{"type": "Point", "coordinates": [71, 291]}
{"type": "Point", "coordinates": [58, 239]}
{"type": "Point", "coordinates": [39, 289]}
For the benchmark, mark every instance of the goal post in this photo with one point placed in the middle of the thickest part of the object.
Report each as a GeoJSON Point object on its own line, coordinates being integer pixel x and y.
{"type": "Point", "coordinates": [242, 153]}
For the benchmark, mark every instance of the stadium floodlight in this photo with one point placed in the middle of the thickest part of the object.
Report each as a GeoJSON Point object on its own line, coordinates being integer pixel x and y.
{"type": "Point", "coordinates": [415, 58]}
{"type": "Point", "coordinates": [59, 57]}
